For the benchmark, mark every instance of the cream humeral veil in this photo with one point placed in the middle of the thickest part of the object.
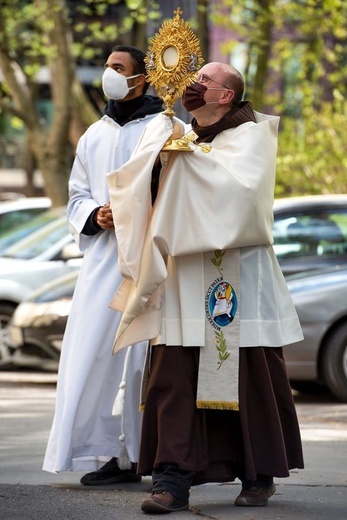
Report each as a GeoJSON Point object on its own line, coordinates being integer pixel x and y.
{"type": "Point", "coordinates": [218, 202]}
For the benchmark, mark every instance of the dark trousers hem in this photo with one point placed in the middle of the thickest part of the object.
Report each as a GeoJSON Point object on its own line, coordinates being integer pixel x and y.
{"type": "Point", "coordinates": [169, 477]}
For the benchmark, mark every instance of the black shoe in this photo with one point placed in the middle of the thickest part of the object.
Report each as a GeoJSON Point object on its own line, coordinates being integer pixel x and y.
{"type": "Point", "coordinates": [110, 473]}
{"type": "Point", "coordinates": [163, 502]}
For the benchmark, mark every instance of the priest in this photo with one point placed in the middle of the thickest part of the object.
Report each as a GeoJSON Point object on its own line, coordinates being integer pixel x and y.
{"type": "Point", "coordinates": [203, 285]}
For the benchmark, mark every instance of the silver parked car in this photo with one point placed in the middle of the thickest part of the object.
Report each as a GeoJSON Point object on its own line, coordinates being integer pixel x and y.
{"type": "Point", "coordinates": [320, 298]}
{"type": "Point", "coordinates": [42, 256]}
{"type": "Point", "coordinates": [35, 333]}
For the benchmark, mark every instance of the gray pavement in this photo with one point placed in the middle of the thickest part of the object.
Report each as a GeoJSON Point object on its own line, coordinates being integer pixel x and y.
{"type": "Point", "coordinates": [28, 493]}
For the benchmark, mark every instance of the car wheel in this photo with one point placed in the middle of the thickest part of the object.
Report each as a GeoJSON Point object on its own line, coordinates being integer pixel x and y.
{"type": "Point", "coordinates": [334, 363]}
{"type": "Point", "coordinates": [6, 311]}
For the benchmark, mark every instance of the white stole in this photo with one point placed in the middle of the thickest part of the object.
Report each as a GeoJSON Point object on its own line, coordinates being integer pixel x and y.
{"type": "Point", "coordinates": [219, 358]}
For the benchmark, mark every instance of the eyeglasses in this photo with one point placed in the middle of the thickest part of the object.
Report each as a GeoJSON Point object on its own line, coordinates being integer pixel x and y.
{"type": "Point", "coordinates": [202, 78]}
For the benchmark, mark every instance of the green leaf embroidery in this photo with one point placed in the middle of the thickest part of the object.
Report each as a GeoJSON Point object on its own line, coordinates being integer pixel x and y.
{"type": "Point", "coordinates": [217, 260]}
{"type": "Point", "coordinates": [221, 346]}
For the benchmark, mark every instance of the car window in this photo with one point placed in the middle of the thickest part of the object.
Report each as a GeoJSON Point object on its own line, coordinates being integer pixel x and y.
{"type": "Point", "coordinates": [318, 234]}
{"type": "Point", "coordinates": [15, 218]}
{"type": "Point", "coordinates": [20, 232]}
{"type": "Point", "coordinates": [38, 242]}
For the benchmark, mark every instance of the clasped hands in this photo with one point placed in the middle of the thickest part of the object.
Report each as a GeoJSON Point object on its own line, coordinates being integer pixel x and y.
{"type": "Point", "coordinates": [103, 217]}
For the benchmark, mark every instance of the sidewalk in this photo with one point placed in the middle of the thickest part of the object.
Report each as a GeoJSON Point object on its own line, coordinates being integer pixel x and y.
{"type": "Point", "coordinates": [28, 493]}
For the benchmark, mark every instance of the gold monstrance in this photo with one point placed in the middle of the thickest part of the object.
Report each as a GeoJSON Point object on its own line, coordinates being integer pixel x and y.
{"type": "Point", "coordinates": [172, 62]}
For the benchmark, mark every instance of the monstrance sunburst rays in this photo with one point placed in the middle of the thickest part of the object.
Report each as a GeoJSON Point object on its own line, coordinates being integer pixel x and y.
{"type": "Point", "coordinates": [172, 60]}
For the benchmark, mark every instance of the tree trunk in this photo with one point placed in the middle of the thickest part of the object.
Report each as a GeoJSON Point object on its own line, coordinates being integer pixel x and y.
{"type": "Point", "coordinates": [265, 24]}
{"type": "Point", "coordinates": [203, 30]}
{"type": "Point", "coordinates": [29, 168]}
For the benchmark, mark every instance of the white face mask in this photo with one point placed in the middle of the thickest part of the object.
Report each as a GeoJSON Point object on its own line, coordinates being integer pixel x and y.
{"type": "Point", "coordinates": [115, 85]}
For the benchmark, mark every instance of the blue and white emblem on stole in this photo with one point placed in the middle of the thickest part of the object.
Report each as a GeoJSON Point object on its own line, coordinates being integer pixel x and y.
{"type": "Point", "coordinates": [222, 304]}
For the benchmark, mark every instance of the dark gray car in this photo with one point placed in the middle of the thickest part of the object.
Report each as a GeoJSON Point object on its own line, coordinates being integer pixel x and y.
{"type": "Point", "coordinates": [310, 232]}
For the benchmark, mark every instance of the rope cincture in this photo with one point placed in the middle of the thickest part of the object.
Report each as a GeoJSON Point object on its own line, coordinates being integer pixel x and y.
{"type": "Point", "coordinates": [123, 460]}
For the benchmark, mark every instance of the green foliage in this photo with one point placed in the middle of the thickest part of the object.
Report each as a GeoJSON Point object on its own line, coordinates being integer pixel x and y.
{"type": "Point", "coordinates": [21, 30]}
{"type": "Point", "coordinates": [303, 78]}
{"type": "Point", "coordinates": [313, 151]}
{"type": "Point", "coordinates": [96, 28]}
{"type": "Point", "coordinates": [295, 66]}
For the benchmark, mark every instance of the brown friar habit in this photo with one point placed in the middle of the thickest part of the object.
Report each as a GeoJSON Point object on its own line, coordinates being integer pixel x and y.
{"type": "Point", "coordinates": [263, 437]}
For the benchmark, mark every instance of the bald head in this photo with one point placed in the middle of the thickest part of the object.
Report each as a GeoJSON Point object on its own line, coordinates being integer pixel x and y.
{"type": "Point", "coordinates": [226, 75]}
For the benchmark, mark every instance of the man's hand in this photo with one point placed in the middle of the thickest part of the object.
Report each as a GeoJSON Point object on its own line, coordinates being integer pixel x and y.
{"type": "Point", "coordinates": [103, 217]}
